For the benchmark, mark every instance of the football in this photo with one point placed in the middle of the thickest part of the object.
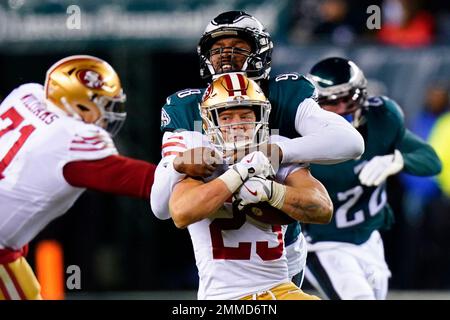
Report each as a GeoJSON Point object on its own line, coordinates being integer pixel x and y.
{"type": "Point", "coordinates": [265, 213]}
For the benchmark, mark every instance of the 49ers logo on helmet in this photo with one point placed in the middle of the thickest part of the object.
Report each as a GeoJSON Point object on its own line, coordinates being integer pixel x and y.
{"type": "Point", "coordinates": [207, 93]}
{"type": "Point", "coordinates": [90, 79]}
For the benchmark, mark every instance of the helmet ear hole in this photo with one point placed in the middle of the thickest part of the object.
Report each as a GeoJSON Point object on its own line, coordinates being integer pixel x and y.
{"type": "Point", "coordinates": [82, 108]}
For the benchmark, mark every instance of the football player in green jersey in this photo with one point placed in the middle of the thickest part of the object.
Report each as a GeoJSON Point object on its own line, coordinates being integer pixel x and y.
{"type": "Point", "coordinates": [236, 41]}
{"type": "Point", "coordinates": [346, 257]}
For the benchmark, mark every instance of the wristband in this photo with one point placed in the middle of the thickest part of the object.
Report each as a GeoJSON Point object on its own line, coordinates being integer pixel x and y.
{"type": "Point", "coordinates": [278, 195]}
{"type": "Point", "coordinates": [232, 179]}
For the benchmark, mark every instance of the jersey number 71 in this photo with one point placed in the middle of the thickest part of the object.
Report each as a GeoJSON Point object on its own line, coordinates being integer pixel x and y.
{"type": "Point", "coordinates": [9, 121]}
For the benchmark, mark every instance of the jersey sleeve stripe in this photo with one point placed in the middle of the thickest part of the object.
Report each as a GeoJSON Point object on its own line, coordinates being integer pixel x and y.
{"type": "Point", "coordinates": [170, 153]}
{"type": "Point", "coordinates": [87, 149]}
{"type": "Point", "coordinates": [176, 138]}
{"type": "Point", "coordinates": [88, 142]}
{"type": "Point", "coordinates": [173, 144]}
{"type": "Point", "coordinates": [89, 138]}
{"type": "Point", "coordinates": [173, 149]}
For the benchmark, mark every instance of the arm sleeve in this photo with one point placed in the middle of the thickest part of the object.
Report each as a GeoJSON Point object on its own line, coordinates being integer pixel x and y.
{"type": "Point", "coordinates": [114, 174]}
{"type": "Point", "coordinates": [419, 157]}
{"type": "Point", "coordinates": [166, 177]}
{"type": "Point", "coordinates": [327, 138]}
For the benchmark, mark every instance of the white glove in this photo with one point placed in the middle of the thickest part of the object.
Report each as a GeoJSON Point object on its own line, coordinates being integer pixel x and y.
{"type": "Point", "coordinates": [253, 164]}
{"type": "Point", "coordinates": [379, 168]}
{"type": "Point", "coordinates": [259, 162]}
{"type": "Point", "coordinates": [259, 189]}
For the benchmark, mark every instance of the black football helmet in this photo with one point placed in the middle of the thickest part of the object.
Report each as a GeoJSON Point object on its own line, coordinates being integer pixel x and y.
{"type": "Point", "coordinates": [242, 25]}
{"type": "Point", "coordinates": [338, 79]}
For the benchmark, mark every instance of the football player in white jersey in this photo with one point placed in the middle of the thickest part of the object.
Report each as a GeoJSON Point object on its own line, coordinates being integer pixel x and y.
{"type": "Point", "coordinates": [237, 41]}
{"type": "Point", "coordinates": [239, 257]}
{"type": "Point", "coordinates": [55, 142]}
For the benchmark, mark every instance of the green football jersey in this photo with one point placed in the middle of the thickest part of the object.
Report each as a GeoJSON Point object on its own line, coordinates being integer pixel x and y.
{"type": "Point", "coordinates": [285, 93]}
{"type": "Point", "coordinates": [359, 210]}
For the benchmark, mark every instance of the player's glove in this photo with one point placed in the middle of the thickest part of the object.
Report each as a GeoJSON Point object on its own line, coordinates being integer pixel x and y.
{"type": "Point", "coordinates": [259, 189]}
{"type": "Point", "coordinates": [379, 168]}
{"type": "Point", "coordinates": [253, 164]}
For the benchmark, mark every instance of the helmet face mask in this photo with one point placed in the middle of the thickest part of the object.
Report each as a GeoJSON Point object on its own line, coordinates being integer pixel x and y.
{"type": "Point", "coordinates": [88, 89]}
{"type": "Point", "coordinates": [228, 59]}
{"type": "Point", "coordinates": [113, 113]}
{"type": "Point", "coordinates": [237, 24]}
{"type": "Point", "coordinates": [352, 99]}
{"type": "Point", "coordinates": [235, 113]}
{"type": "Point", "coordinates": [341, 86]}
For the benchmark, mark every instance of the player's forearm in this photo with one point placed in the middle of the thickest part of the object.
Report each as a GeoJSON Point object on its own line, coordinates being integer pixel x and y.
{"type": "Point", "coordinates": [166, 177]}
{"type": "Point", "coordinates": [309, 205]}
{"type": "Point", "coordinates": [198, 203]}
{"type": "Point", "coordinates": [326, 138]}
{"type": "Point", "coordinates": [419, 157]}
{"type": "Point", "coordinates": [329, 146]}
{"type": "Point", "coordinates": [114, 174]}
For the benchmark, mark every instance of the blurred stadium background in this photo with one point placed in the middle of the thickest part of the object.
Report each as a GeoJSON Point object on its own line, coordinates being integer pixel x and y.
{"type": "Point", "coordinates": [122, 250]}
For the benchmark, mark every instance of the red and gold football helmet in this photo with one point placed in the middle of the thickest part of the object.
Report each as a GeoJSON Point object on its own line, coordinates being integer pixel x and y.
{"type": "Point", "coordinates": [89, 89]}
{"type": "Point", "coordinates": [235, 90]}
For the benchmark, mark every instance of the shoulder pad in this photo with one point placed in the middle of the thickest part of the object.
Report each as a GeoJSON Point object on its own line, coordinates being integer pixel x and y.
{"type": "Point", "coordinates": [31, 86]}
{"type": "Point", "coordinates": [35, 88]}
{"type": "Point", "coordinates": [185, 96]}
{"type": "Point", "coordinates": [387, 104]}
{"type": "Point", "coordinates": [295, 82]}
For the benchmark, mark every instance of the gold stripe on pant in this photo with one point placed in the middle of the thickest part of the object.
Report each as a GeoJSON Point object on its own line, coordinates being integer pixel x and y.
{"type": "Point", "coordinates": [18, 282]}
{"type": "Point", "coordinates": [284, 291]}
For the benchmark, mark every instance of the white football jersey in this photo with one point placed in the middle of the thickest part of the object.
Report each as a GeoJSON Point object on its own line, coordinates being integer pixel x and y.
{"type": "Point", "coordinates": [35, 144]}
{"type": "Point", "coordinates": [236, 255]}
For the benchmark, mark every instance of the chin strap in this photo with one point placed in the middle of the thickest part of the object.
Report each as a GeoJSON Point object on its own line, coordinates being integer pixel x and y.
{"type": "Point", "coordinates": [358, 118]}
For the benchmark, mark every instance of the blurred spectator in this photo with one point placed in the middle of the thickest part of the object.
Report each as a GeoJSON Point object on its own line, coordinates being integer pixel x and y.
{"type": "Point", "coordinates": [304, 18]}
{"type": "Point", "coordinates": [421, 197]}
{"type": "Point", "coordinates": [438, 218]}
{"type": "Point", "coordinates": [376, 87]}
{"type": "Point", "coordinates": [420, 191]}
{"type": "Point", "coordinates": [336, 21]}
{"type": "Point", "coordinates": [335, 24]}
{"type": "Point", "coordinates": [440, 140]}
{"type": "Point", "coordinates": [406, 24]}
